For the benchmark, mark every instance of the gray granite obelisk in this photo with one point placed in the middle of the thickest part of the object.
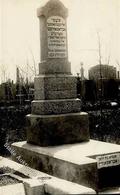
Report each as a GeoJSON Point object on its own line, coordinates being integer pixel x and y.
{"type": "Point", "coordinates": [55, 117]}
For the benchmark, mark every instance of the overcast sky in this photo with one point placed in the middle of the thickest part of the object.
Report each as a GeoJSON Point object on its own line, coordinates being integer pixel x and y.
{"type": "Point", "coordinates": [19, 33]}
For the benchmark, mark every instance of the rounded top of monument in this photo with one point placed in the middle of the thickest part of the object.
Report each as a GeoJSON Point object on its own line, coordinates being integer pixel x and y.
{"type": "Point", "coordinates": [52, 7]}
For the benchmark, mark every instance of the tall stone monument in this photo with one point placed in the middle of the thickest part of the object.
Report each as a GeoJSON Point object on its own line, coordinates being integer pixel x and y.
{"type": "Point", "coordinates": [56, 117]}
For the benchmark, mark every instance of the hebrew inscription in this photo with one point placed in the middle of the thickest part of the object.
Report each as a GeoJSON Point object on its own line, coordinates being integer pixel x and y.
{"type": "Point", "coordinates": [57, 36]}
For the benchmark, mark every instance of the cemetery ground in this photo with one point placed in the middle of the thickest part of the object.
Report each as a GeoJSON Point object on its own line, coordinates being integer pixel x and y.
{"type": "Point", "coordinates": [103, 126]}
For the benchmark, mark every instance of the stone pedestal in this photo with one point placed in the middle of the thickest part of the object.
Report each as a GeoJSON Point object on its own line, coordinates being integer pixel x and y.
{"type": "Point", "coordinates": [47, 130]}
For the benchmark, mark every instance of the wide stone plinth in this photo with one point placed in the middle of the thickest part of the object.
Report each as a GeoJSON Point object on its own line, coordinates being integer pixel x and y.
{"type": "Point", "coordinates": [59, 161]}
{"type": "Point", "coordinates": [45, 130]}
{"type": "Point", "coordinates": [79, 163]}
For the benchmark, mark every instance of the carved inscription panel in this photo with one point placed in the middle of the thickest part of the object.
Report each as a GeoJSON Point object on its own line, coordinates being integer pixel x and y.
{"type": "Point", "coordinates": [57, 37]}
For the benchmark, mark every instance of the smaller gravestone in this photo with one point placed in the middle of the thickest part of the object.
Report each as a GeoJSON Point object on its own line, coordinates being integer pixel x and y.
{"type": "Point", "coordinates": [56, 117]}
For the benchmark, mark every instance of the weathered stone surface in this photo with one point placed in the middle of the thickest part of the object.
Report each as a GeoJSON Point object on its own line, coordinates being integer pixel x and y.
{"type": "Point", "coordinates": [13, 189]}
{"type": "Point", "coordinates": [57, 129]}
{"type": "Point", "coordinates": [72, 167]}
{"type": "Point", "coordinates": [40, 183]}
{"type": "Point", "coordinates": [55, 87]}
{"type": "Point", "coordinates": [34, 187]}
{"type": "Point", "coordinates": [42, 107]}
{"type": "Point", "coordinates": [55, 66]}
{"type": "Point", "coordinates": [75, 162]}
{"type": "Point", "coordinates": [53, 82]}
{"type": "Point", "coordinates": [57, 187]}
{"type": "Point", "coordinates": [52, 7]}
{"type": "Point", "coordinates": [52, 95]}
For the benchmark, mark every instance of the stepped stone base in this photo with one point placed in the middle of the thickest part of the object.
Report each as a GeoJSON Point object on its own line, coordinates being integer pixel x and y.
{"type": "Point", "coordinates": [45, 130]}
{"type": "Point", "coordinates": [76, 162]}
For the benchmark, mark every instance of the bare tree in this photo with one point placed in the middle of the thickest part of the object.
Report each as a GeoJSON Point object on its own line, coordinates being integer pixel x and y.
{"type": "Point", "coordinates": [101, 88]}
{"type": "Point", "coordinates": [108, 60]}
{"type": "Point", "coordinates": [118, 63]}
{"type": "Point", "coordinates": [99, 48]}
{"type": "Point", "coordinates": [3, 73]}
{"type": "Point", "coordinates": [33, 58]}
